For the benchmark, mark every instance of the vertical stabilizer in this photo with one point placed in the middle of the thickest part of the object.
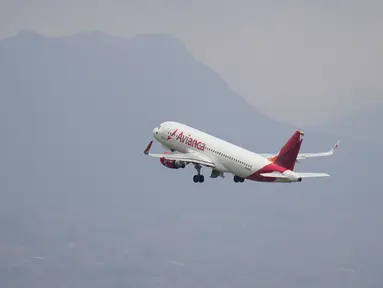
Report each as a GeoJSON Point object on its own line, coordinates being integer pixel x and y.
{"type": "Point", "coordinates": [288, 155]}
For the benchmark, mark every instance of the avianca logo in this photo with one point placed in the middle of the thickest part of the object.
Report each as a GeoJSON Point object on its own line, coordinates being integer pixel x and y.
{"type": "Point", "coordinates": [188, 140]}
{"type": "Point", "coordinates": [171, 135]}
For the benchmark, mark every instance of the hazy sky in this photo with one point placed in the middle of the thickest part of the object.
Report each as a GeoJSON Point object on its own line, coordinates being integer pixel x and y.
{"type": "Point", "coordinates": [298, 61]}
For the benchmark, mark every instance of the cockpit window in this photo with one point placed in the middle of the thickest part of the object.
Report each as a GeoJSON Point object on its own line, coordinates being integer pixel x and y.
{"type": "Point", "coordinates": [159, 126]}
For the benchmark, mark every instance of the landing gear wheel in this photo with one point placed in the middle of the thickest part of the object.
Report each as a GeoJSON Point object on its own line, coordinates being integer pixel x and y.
{"type": "Point", "coordinates": [198, 178]}
{"type": "Point", "coordinates": [238, 179]}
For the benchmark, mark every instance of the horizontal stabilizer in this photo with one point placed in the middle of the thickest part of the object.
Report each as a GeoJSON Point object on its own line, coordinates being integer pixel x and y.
{"type": "Point", "coordinates": [302, 175]}
{"type": "Point", "coordinates": [311, 175]}
{"type": "Point", "coordinates": [274, 175]}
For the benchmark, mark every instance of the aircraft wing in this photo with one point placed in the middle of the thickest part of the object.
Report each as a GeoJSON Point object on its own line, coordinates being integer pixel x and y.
{"type": "Point", "coordinates": [302, 156]}
{"type": "Point", "coordinates": [318, 154]}
{"type": "Point", "coordinates": [186, 157]}
{"type": "Point", "coordinates": [190, 157]}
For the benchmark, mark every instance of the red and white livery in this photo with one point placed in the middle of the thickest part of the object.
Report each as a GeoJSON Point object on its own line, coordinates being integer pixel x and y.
{"type": "Point", "coordinates": [188, 145]}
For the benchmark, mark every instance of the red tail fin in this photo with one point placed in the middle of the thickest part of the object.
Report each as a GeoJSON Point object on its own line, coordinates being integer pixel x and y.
{"type": "Point", "coordinates": [289, 152]}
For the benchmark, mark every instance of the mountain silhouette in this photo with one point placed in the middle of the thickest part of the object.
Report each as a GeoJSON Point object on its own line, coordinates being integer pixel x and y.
{"type": "Point", "coordinates": [81, 204]}
{"type": "Point", "coordinates": [362, 126]}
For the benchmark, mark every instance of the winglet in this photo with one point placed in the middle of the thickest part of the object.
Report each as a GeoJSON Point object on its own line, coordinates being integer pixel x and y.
{"type": "Point", "coordinates": [332, 151]}
{"type": "Point", "coordinates": [335, 146]}
{"type": "Point", "coordinates": [146, 152]}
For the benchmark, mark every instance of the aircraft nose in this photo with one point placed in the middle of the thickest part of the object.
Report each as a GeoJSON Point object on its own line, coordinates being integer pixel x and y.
{"type": "Point", "coordinates": [155, 131]}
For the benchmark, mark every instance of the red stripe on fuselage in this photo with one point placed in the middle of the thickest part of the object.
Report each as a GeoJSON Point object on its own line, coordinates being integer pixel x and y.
{"type": "Point", "coordinates": [267, 169]}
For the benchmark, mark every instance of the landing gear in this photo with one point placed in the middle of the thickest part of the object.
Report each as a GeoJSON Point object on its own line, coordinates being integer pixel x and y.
{"type": "Point", "coordinates": [238, 179]}
{"type": "Point", "coordinates": [198, 178]}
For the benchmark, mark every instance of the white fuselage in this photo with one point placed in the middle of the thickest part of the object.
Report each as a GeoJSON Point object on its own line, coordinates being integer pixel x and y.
{"type": "Point", "coordinates": [226, 156]}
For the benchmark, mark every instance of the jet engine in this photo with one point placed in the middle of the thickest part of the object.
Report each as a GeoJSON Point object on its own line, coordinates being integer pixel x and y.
{"type": "Point", "coordinates": [172, 164]}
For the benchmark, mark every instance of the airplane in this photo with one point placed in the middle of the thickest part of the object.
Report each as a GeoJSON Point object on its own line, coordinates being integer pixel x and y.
{"type": "Point", "coordinates": [189, 145]}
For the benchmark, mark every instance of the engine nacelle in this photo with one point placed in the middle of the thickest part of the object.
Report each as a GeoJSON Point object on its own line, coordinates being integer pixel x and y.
{"type": "Point", "coordinates": [172, 164]}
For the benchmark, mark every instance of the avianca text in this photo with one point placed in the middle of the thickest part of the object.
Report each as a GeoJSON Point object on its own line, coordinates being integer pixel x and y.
{"type": "Point", "coordinates": [189, 141]}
